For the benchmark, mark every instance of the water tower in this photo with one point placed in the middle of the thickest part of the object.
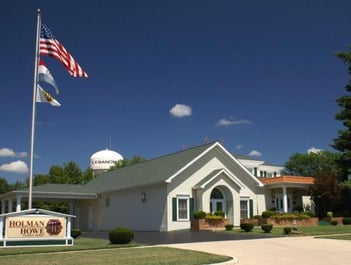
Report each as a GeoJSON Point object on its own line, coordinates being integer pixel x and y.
{"type": "Point", "coordinates": [101, 161]}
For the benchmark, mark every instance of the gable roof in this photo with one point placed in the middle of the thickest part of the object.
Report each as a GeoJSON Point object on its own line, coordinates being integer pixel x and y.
{"type": "Point", "coordinates": [145, 173]}
{"type": "Point", "coordinates": [155, 171]}
{"type": "Point", "coordinates": [216, 173]}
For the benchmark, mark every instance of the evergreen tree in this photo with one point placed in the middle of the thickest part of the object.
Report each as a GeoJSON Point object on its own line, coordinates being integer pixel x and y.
{"type": "Point", "coordinates": [343, 142]}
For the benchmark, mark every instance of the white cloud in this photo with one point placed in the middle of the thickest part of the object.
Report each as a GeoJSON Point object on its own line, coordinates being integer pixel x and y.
{"type": "Point", "coordinates": [21, 154]}
{"type": "Point", "coordinates": [314, 150]}
{"type": "Point", "coordinates": [180, 110]}
{"type": "Point", "coordinates": [7, 152]}
{"type": "Point", "coordinates": [255, 153]}
{"type": "Point", "coordinates": [15, 167]}
{"type": "Point", "coordinates": [229, 122]}
{"type": "Point", "coordinates": [239, 146]}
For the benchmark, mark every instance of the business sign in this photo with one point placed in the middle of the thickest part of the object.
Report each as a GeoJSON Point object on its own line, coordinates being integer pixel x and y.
{"type": "Point", "coordinates": [35, 226]}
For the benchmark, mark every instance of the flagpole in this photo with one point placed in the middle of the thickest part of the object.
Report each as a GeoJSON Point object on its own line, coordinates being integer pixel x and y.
{"type": "Point", "coordinates": [35, 83]}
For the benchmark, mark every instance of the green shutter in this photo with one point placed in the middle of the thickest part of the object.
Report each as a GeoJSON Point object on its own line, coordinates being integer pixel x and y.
{"type": "Point", "coordinates": [251, 208]}
{"type": "Point", "coordinates": [191, 205]}
{"type": "Point", "coordinates": [174, 209]}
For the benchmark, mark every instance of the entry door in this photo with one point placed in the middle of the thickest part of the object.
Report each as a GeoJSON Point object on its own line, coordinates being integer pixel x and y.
{"type": "Point", "coordinates": [217, 205]}
{"type": "Point", "coordinates": [279, 202]}
{"type": "Point", "coordinates": [217, 201]}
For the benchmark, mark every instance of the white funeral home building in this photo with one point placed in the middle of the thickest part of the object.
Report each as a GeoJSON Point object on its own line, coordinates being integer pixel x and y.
{"type": "Point", "coordinates": [162, 194]}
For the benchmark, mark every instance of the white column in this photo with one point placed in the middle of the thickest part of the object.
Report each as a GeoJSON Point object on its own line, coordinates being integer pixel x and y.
{"type": "Point", "coordinates": [3, 206]}
{"type": "Point", "coordinates": [285, 200]}
{"type": "Point", "coordinates": [10, 206]}
{"type": "Point", "coordinates": [1, 227]}
{"type": "Point", "coordinates": [18, 203]}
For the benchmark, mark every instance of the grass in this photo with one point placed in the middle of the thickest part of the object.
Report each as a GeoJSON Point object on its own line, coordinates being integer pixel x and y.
{"type": "Point", "coordinates": [339, 237]}
{"type": "Point", "coordinates": [307, 230]}
{"type": "Point", "coordinates": [99, 251]}
{"type": "Point", "coordinates": [79, 244]}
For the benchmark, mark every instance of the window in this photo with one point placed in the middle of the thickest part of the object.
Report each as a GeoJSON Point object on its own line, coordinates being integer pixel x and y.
{"type": "Point", "coordinates": [244, 209]}
{"type": "Point", "coordinates": [183, 208]}
{"type": "Point", "coordinates": [255, 171]}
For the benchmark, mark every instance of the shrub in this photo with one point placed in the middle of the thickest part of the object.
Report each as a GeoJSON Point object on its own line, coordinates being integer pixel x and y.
{"type": "Point", "coordinates": [76, 233]}
{"type": "Point", "coordinates": [330, 214]}
{"type": "Point", "coordinates": [120, 235]}
{"type": "Point", "coordinates": [267, 214]}
{"type": "Point", "coordinates": [229, 227]}
{"type": "Point", "coordinates": [346, 221]}
{"type": "Point", "coordinates": [247, 227]}
{"type": "Point", "coordinates": [219, 213]}
{"type": "Point", "coordinates": [309, 213]}
{"type": "Point", "coordinates": [287, 230]}
{"type": "Point", "coordinates": [199, 215]}
{"type": "Point", "coordinates": [266, 228]}
{"type": "Point", "coordinates": [334, 222]}
{"type": "Point", "coordinates": [213, 217]}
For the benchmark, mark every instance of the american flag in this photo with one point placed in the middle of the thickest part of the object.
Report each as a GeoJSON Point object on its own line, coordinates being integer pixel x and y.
{"type": "Point", "coordinates": [50, 46]}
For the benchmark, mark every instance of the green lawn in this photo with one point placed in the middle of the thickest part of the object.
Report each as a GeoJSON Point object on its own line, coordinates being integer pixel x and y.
{"type": "Point", "coordinates": [307, 230]}
{"type": "Point", "coordinates": [99, 251]}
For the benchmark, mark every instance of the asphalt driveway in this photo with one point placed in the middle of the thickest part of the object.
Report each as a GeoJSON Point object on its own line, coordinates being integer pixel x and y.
{"type": "Point", "coordinates": [176, 237]}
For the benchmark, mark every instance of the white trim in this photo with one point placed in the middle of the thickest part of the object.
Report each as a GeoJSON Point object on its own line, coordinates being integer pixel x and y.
{"type": "Point", "coordinates": [169, 180]}
{"type": "Point", "coordinates": [187, 198]}
{"type": "Point", "coordinates": [260, 184]}
{"type": "Point", "coordinates": [228, 174]}
{"type": "Point", "coordinates": [247, 200]}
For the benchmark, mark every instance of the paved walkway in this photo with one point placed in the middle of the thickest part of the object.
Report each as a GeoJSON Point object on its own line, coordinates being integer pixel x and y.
{"type": "Point", "coordinates": [279, 251]}
{"type": "Point", "coordinates": [249, 249]}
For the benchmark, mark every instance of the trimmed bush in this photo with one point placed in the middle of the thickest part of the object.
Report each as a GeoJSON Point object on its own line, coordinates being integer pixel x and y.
{"type": "Point", "coordinates": [287, 230]}
{"type": "Point", "coordinates": [309, 213]}
{"type": "Point", "coordinates": [213, 217]}
{"type": "Point", "coordinates": [219, 213]}
{"type": "Point", "coordinates": [267, 214]}
{"type": "Point", "coordinates": [266, 228]}
{"type": "Point", "coordinates": [76, 233]}
{"type": "Point", "coordinates": [120, 235]}
{"type": "Point", "coordinates": [199, 215]}
{"type": "Point", "coordinates": [247, 227]}
{"type": "Point", "coordinates": [229, 227]}
{"type": "Point", "coordinates": [346, 221]}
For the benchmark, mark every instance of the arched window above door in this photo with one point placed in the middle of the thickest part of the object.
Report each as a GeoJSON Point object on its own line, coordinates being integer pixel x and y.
{"type": "Point", "coordinates": [216, 194]}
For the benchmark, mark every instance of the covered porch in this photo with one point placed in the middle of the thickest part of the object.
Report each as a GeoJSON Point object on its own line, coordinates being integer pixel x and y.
{"type": "Point", "coordinates": [287, 193]}
{"type": "Point", "coordinates": [13, 201]}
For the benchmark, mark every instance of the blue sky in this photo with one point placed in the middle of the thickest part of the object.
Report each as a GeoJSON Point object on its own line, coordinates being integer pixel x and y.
{"type": "Point", "coordinates": [260, 76]}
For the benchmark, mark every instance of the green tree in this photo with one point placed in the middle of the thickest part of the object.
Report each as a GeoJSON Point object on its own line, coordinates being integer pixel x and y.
{"type": "Point", "coordinates": [312, 164]}
{"type": "Point", "coordinates": [343, 204]}
{"type": "Point", "coordinates": [4, 186]}
{"type": "Point", "coordinates": [72, 173]}
{"type": "Point", "coordinates": [324, 193]}
{"type": "Point", "coordinates": [87, 175]}
{"type": "Point", "coordinates": [127, 162]}
{"type": "Point", "coordinates": [343, 142]}
{"type": "Point", "coordinates": [56, 175]}
{"type": "Point", "coordinates": [40, 179]}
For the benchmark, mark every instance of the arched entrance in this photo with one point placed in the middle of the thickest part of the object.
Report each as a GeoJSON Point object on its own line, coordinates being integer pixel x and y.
{"type": "Point", "coordinates": [217, 201]}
